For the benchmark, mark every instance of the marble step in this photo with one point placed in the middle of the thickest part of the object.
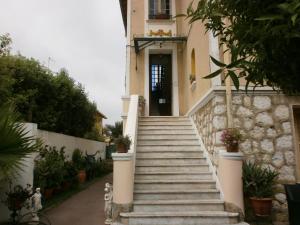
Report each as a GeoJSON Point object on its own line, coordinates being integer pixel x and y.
{"type": "Point", "coordinates": [165, 123]}
{"type": "Point", "coordinates": [174, 175]}
{"type": "Point", "coordinates": [177, 205]}
{"type": "Point", "coordinates": [188, 168]}
{"type": "Point", "coordinates": [180, 194]}
{"type": "Point", "coordinates": [173, 184]}
{"type": "Point", "coordinates": [167, 137]}
{"type": "Point", "coordinates": [179, 218]}
{"type": "Point", "coordinates": [169, 161]}
{"type": "Point", "coordinates": [163, 118]}
{"type": "Point", "coordinates": [169, 142]}
{"type": "Point", "coordinates": [165, 127]}
{"type": "Point", "coordinates": [166, 131]}
{"type": "Point", "coordinates": [168, 148]}
{"type": "Point", "coordinates": [163, 154]}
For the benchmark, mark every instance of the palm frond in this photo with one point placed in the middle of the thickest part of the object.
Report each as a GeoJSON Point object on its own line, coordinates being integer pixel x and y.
{"type": "Point", "coordinates": [15, 143]}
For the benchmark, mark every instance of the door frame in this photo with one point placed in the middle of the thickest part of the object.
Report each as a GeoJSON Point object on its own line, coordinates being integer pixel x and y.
{"type": "Point", "coordinates": [167, 49]}
{"type": "Point", "coordinates": [296, 136]}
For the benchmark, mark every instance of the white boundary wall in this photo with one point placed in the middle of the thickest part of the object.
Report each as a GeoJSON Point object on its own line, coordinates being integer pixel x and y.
{"type": "Point", "coordinates": [51, 139]}
{"type": "Point", "coordinates": [71, 143]}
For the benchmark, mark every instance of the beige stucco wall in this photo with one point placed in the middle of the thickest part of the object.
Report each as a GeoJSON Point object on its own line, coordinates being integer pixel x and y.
{"type": "Point", "coordinates": [123, 181]}
{"type": "Point", "coordinates": [197, 40]}
{"type": "Point", "coordinates": [137, 62]}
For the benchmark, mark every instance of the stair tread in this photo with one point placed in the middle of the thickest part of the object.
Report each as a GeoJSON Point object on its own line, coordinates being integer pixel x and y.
{"type": "Point", "coordinates": [170, 157]}
{"type": "Point", "coordinates": [181, 214]}
{"type": "Point", "coordinates": [169, 151]}
{"type": "Point", "coordinates": [180, 191]}
{"type": "Point", "coordinates": [173, 181]}
{"type": "Point", "coordinates": [177, 202]}
{"type": "Point", "coordinates": [172, 173]}
{"type": "Point", "coordinates": [174, 165]}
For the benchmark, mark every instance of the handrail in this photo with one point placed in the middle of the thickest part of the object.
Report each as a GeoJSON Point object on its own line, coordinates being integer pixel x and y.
{"type": "Point", "coordinates": [132, 122]}
{"type": "Point", "coordinates": [124, 163]}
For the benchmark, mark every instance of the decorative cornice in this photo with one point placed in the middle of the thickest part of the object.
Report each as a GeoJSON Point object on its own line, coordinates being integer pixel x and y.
{"type": "Point", "coordinates": [122, 156]}
{"type": "Point", "coordinates": [231, 155]}
{"type": "Point", "coordinates": [160, 33]}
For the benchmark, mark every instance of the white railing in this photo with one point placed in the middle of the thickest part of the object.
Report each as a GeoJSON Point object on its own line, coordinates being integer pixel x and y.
{"type": "Point", "coordinates": [124, 163]}
{"type": "Point", "coordinates": [132, 121]}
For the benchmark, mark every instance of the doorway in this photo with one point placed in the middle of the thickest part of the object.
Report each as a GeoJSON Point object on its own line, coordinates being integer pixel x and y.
{"type": "Point", "coordinates": [160, 84]}
{"type": "Point", "coordinates": [296, 113]}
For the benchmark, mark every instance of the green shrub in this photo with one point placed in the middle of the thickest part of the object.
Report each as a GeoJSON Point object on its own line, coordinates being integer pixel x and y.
{"type": "Point", "coordinates": [78, 159]}
{"type": "Point", "coordinates": [258, 181]}
{"type": "Point", "coordinates": [49, 167]}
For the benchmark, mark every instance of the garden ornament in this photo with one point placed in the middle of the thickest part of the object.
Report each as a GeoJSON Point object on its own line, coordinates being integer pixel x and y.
{"type": "Point", "coordinates": [108, 203]}
{"type": "Point", "coordinates": [36, 204]}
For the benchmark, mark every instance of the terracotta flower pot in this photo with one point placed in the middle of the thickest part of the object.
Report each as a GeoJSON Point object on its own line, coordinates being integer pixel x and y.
{"type": "Point", "coordinates": [17, 204]}
{"type": "Point", "coordinates": [66, 185]}
{"type": "Point", "coordinates": [57, 190]}
{"type": "Point", "coordinates": [121, 148]}
{"type": "Point", "coordinates": [261, 206]}
{"type": "Point", "coordinates": [48, 193]}
{"type": "Point", "coordinates": [81, 176]}
{"type": "Point", "coordinates": [232, 148]}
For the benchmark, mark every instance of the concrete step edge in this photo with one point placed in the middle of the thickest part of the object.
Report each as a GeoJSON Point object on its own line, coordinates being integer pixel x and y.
{"type": "Point", "coordinates": [173, 173]}
{"type": "Point", "coordinates": [169, 157]}
{"type": "Point", "coordinates": [169, 151]}
{"type": "Point", "coordinates": [173, 181]}
{"type": "Point", "coordinates": [181, 214]}
{"type": "Point", "coordinates": [176, 202]}
{"type": "Point", "coordinates": [176, 191]}
{"type": "Point", "coordinates": [174, 165]}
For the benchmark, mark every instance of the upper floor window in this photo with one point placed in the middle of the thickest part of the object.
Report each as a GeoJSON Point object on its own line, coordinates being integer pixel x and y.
{"type": "Point", "coordinates": [193, 67]}
{"type": "Point", "coordinates": [160, 9]}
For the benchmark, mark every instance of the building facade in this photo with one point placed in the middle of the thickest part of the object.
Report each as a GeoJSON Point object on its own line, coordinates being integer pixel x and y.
{"type": "Point", "coordinates": [167, 59]}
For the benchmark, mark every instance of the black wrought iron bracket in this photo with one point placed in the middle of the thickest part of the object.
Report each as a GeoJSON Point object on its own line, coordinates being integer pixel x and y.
{"type": "Point", "coordinates": [141, 43]}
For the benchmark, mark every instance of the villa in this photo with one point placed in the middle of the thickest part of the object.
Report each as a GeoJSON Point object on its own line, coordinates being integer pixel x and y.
{"type": "Point", "coordinates": [177, 170]}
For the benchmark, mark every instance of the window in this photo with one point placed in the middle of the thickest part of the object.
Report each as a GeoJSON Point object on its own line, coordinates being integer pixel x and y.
{"type": "Point", "coordinates": [193, 67]}
{"type": "Point", "coordinates": [159, 9]}
{"type": "Point", "coordinates": [158, 81]}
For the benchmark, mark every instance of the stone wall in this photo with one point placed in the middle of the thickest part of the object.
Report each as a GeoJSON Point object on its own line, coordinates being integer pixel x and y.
{"type": "Point", "coordinates": [211, 120]}
{"type": "Point", "coordinates": [265, 121]}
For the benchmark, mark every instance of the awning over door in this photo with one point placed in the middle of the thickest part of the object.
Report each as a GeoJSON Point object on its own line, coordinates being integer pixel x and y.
{"type": "Point", "coordinates": [141, 43]}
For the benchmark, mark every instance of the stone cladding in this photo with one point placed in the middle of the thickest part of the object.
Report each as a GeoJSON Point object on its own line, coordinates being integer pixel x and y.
{"type": "Point", "coordinates": [265, 122]}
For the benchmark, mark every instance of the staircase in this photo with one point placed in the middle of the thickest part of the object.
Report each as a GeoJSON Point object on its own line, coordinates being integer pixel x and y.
{"type": "Point", "coordinates": [173, 184]}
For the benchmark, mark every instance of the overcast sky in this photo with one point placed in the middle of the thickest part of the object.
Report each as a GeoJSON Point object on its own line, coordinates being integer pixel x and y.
{"type": "Point", "coordinates": [84, 36]}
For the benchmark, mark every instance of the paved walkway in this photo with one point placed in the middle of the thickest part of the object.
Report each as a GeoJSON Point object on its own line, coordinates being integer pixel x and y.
{"type": "Point", "coordinates": [84, 208]}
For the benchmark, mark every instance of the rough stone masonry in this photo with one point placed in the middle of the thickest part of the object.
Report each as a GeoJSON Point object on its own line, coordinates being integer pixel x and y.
{"type": "Point", "coordinates": [265, 121]}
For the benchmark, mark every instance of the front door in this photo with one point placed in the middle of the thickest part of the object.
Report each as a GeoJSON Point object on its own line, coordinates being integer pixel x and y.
{"type": "Point", "coordinates": [160, 70]}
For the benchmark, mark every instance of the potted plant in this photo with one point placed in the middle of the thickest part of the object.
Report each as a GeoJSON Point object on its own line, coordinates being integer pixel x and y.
{"type": "Point", "coordinates": [16, 199]}
{"type": "Point", "coordinates": [123, 144]}
{"type": "Point", "coordinates": [79, 163]}
{"type": "Point", "coordinates": [48, 170]}
{"type": "Point", "coordinates": [231, 138]}
{"type": "Point", "coordinates": [258, 185]}
{"type": "Point", "coordinates": [69, 173]}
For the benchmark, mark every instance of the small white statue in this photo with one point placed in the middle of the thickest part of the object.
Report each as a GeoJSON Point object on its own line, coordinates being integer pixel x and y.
{"type": "Point", "coordinates": [36, 200]}
{"type": "Point", "coordinates": [108, 203]}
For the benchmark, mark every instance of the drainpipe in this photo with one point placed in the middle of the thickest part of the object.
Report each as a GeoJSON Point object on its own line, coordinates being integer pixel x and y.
{"type": "Point", "coordinates": [227, 60]}
{"type": "Point", "coordinates": [228, 100]}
